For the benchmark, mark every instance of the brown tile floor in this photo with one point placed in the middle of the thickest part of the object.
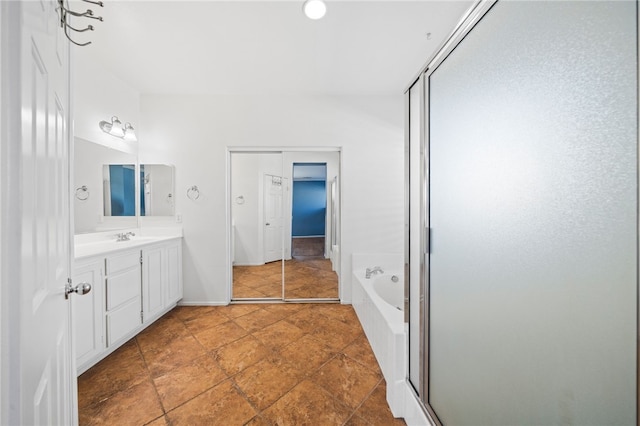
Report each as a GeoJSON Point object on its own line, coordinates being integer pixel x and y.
{"type": "Point", "coordinates": [272, 364]}
{"type": "Point", "coordinates": [304, 279]}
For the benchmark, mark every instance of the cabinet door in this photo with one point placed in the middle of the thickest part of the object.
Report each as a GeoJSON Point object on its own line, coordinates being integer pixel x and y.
{"type": "Point", "coordinates": [153, 281]}
{"type": "Point", "coordinates": [122, 321]}
{"type": "Point", "coordinates": [174, 272]}
{"type": "Point", "coordinates": [88, 313]}
{"type": "Point", "coordinates": [122, 287]}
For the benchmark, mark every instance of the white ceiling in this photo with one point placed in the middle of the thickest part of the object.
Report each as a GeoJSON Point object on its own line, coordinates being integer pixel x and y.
{"type": "Point", "coordinates": [269, 47]}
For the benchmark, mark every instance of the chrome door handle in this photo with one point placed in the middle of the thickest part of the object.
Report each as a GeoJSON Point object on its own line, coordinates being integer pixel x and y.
{"type": "Point", "coordinates": [81, 289]}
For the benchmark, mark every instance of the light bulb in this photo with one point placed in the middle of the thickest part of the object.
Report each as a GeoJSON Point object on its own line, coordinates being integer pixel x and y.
{"type": "Point", "coordinates": [116, 128]}
{"type": "Point", "coordinates": [105, 127]}
{"type": "Point", "coordinates": [314, 9]}
{"type": "Point", "coordinates": [129, 133]}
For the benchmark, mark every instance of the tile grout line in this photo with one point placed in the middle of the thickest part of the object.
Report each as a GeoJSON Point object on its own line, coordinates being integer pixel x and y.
{"type": "Point", "coordinates": [150, 378]}
{"type": "Point", "coordinates": [366, 398]}
{"type": "Point", "coordinates": [116, 392]}
{"type": "Point", "coordinates": [306, 377]}
{"type": "Point", "coordinates": [208, 353]}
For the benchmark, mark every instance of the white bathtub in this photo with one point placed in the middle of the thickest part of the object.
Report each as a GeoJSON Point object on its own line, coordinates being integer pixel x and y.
{"type": "Point", "coordinates": [377, 301]}
{"type": "Point", "coordinates": [390, 289]}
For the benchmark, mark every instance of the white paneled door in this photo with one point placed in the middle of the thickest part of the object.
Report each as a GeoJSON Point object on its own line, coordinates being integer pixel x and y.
{"type": "Point", "coordinates": [41, 361]}
{"type": "Point", "coordinates": [273, 217]}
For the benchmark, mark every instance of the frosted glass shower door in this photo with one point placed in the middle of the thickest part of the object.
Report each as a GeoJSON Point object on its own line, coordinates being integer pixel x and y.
{"type": "Point", "coordinates": [533, 217]}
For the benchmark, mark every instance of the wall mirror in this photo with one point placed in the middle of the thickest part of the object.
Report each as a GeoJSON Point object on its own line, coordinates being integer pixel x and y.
{"type": "Point", "coordinates": [119, 189]}
{"type": "Point", "coordinates": [91, 171]}
{"type": "Point", "coordinates": [284, 209]}
{"type": "Point", "coordinates": [157, 190]}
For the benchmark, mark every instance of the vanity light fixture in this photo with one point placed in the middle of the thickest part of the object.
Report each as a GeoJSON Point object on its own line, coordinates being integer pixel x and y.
{"type": "Point", "coordinates": [314, 9]}
{"type": "Point", "coordinates": [114, 128]}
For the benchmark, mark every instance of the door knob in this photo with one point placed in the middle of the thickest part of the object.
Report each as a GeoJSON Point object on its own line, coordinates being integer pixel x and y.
{"type": "Point", "coordinates": [82, 288]}
{"type": "Point", "coordinates": [267, 224]}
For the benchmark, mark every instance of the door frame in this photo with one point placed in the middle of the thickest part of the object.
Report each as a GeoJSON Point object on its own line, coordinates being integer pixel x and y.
{"type": "Point", "coordinates": [421, 230]}
{"type": "Point", "coordinates": [328, 197]}
{"type": "Point", "coordinates": [228, 234]}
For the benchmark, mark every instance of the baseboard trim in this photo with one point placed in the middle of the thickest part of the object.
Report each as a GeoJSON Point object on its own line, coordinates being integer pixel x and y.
{"type": "Point", "coordinates": [204, 303]}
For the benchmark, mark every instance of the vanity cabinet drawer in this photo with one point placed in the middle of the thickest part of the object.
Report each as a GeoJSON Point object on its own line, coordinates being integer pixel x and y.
{"type": "Point", "coordinates": [121, 262]}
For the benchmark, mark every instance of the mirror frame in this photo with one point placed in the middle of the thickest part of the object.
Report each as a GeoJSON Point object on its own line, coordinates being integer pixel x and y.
{"type": "Point", "coordinates": [286, 253]}
{"type": "Point", "coordinates": [94, 192]}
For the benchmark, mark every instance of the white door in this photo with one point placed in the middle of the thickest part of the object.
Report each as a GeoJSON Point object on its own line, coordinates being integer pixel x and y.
{"type": "Point", "coordinates": [273, 220]}
{"type": "Point", "coordinates": [41, 352]}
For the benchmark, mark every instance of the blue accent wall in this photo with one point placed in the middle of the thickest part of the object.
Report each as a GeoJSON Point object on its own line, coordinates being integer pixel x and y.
{"type": "Point", "coordinates": [122, 179]}
{"type": "Point", "coordinates": [309, 208]}
{"type": "Point", "coordinates": [142, 205]}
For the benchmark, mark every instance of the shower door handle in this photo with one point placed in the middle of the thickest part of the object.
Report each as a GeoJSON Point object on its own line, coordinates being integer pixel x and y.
{"type": "Point", "coordinates": [427, 244]}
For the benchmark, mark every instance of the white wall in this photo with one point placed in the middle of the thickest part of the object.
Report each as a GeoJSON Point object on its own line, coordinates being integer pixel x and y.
{"type": "Point", "coordinates": [193, 133]}
{"type": "Point", "coordinates": [247, 177]}
{"type": "Point", "coordinates": [99, 95]}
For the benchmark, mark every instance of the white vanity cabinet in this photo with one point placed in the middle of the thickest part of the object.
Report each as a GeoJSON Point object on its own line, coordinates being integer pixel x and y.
{"type": "Point", "coordinates": [161, 278]}
{"type": "Point", "coordinates": [89, 311]}
{"type": "Point", "coordinates": [131, 288]}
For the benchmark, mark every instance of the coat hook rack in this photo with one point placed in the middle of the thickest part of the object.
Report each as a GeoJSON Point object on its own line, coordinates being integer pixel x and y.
{"type": "Point", "coordinates": [66, 14]}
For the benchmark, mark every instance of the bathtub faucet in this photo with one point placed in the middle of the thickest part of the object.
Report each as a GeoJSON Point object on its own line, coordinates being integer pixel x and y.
{"type": "Point", "coordinates": [373, 271]}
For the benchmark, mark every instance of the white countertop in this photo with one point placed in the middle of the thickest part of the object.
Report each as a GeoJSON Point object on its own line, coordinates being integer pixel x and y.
{"type": "Point", "coordinates": [88, 245]}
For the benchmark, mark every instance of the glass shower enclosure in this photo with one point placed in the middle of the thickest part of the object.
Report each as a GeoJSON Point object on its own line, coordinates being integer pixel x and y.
{"type": "Point", "coordinates": [523, 218]}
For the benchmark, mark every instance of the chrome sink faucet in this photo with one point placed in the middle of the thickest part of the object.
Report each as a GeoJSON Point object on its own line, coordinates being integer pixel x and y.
{"type": "Point", "coordinates": [373, 271]}
{"type": "Point", "coordinates": [124, 236]}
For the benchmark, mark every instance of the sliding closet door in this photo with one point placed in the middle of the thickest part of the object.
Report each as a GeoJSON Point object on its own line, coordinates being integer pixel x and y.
{"type": "Point", "coordinates": [310, 259]}
{"type": "Point", "coordinates": [533, 216]}
{"type": "Point", "coordinates": [257, 221]}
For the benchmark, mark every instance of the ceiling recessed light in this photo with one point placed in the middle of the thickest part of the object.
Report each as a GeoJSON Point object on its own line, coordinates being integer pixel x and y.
{"type": "Point", "coordinates": [314, 9]}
